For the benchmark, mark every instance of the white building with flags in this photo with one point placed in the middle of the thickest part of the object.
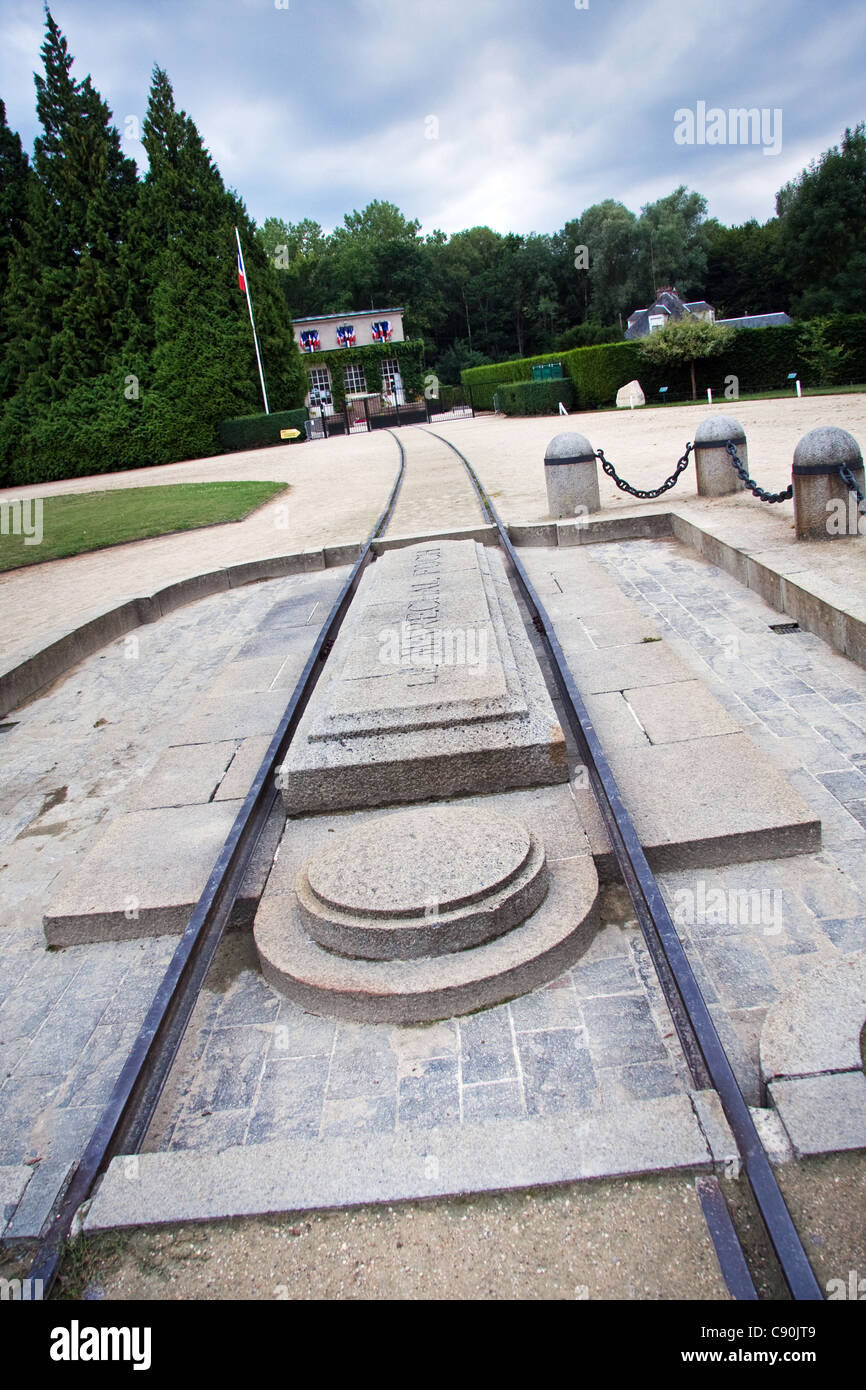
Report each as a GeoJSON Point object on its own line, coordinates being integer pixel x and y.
{"type": "Point", "coordinates": [332, 344]}
{"type": "Point", "coordinates": [324, 332]}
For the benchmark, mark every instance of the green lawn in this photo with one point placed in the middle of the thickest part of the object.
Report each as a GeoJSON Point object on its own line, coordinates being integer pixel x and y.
{"type": "Point", "coordinates": [83, 521]}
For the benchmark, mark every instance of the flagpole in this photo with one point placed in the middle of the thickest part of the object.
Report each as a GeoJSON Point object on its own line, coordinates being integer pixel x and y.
{"type": "Point", "coordinates": [252, 321]}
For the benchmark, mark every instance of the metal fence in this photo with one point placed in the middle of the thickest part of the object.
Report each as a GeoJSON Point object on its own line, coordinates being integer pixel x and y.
{"type": "Point", "coordinates": [365, 413]}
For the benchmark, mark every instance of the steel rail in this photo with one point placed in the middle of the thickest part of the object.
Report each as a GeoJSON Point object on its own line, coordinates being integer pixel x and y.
{"type": "Point", "coordinates": [702, 1045]}
{"type": "Point", "coordinates": [124, 1122]}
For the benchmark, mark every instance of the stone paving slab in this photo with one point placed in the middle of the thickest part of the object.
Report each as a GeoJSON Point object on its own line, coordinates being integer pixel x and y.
{"type": "Point", "coordinates": [14, 1177]}
{"type": "Point", "coordinates": [823, 1114]}
{"type": "Point", "coordinates": [233, 717]}
{"type": "Point", "coordinates": [243, 768]}
{"type": "Point", "coordinates": [186, 776]}
{"type": "Point", "coordinates": [296, 1174]}
{"type": "Point", "coordinates": [708, 801]}
{"type": "Point", "coordinates": [143, 877]}
{"type": "Point", "coordinates": [816, 1026]}
{"type": "Point", "coordinates": [679, 712]}
{"type": "Point", "coordinates": [628, 667]}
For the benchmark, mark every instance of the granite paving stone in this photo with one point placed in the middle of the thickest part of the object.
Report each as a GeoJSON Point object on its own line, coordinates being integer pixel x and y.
{"type": "Point", "coordinates": [639, 1081]}
{"type": "Point", "coordinates": [486, 1047]}
{"type": "Point", "coordinates": [364, 1114]}
{"type": "Point", "coordinates": [620, 1029]}
{"type": "Point", "coordinates": [299, 1034]}
{"type": "Point", "coordinates": [557, 1071]}
{"type": "Point", "coordinates": [361, 1071]}
{"type": "Point", "coordinates": [289, 1100]}
{"type": "Point", "coordinates": [555, 1006]}
{"type": "Point", "coordinates": [609, 975]}
{"type": "Point", "coordinates": [230, 1069]}
{"type": "Point", "coordinates": [429, 1092]}
{"type": "Point", "coordinates": [823, 1114]}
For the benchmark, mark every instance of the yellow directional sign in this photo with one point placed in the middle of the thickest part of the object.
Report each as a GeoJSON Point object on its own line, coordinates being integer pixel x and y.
{"type": "Point", "coordinates": [289, 434]}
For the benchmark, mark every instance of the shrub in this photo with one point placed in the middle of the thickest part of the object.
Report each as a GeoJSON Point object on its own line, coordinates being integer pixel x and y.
{"type": "Point", "coordinates": [535, 397]}
{"type": "Point", "coordinates": [760, 359]}
{"type": "Point", "coordinates": [257, 431]}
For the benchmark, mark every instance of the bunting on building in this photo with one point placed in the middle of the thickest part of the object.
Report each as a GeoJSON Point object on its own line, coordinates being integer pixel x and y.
{"type": "Point", "coordinates": [381, 331]}
{"type": "Point", "coordinates": [346, 335]}
{"type": "Point", "coordinates": [310, 340]}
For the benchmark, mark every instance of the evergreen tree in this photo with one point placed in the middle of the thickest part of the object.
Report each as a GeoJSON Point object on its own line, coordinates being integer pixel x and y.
{"type": "Point", "coordinates": [187, 312]}
{"type": "Point", "coordinates": [823, 230]}
{"type": "Point", "coordinates": [14, 184]}
{"type": "Point", "coordinates": [61, 309]}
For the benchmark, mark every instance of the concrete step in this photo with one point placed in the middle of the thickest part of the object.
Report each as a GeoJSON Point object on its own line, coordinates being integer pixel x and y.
{"type": "Point", "coordinates": [297, 1173]}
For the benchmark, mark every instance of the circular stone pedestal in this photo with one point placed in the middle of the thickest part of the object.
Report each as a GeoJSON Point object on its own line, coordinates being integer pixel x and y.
{"type": "Point", "coordinates": [421, 883]}
{"type": "Point", "coordinates": [423, 914]}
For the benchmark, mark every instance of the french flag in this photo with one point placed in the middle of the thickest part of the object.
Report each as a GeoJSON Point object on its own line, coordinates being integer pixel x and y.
{"type": "Point", "coordinates": [242, 279]}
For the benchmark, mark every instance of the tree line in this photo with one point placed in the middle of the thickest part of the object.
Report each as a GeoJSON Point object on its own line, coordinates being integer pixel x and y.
{"type": "Point", "coordinates": [482, 296]}
{"type": "Point", "coordinates": [125, 340]}
{"type": "Point", "coordinates": [124, 336]}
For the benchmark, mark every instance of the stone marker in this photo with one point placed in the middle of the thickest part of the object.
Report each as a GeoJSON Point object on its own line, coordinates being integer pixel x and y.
{"type": "Point", "coordinates": [824, 506]}
{"type": "Point", "coordinates": [422, 883]}
{"type": "Point", "coordinates": [571, 476]}
{"type": "Point", "coordinates": [630, 395]}
{"type": "Point", "coordinates": [421, 914]}
{"type": "Point", "coordinates": [432, 689]}
{"type": "Point", "coordinates": [715, 473]}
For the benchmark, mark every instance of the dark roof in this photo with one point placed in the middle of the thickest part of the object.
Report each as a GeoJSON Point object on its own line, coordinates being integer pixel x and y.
{"type": "Point", "coordinates": [349, 314]}
{"type": "Point", "coordinates": [757, 321]}
{"type": "Point", "coordinates": [694, 304]}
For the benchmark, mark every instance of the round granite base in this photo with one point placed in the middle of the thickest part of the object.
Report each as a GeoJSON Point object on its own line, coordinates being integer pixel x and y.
{"type": "Point", "coordinates": [434, 987]}
{"type": "Point", "coordinates": [421, 883]}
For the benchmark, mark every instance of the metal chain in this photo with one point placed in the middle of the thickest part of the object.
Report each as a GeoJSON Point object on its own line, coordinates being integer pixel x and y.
{"type": "Point", "coordinates": [751, 484]}
{"type": "Point", "coordinates": [650, 492]}
{"type": "Point", "coordinates": [850, 482]}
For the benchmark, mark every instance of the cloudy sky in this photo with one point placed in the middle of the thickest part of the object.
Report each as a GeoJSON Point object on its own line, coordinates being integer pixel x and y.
{"type": "Point", "coordinates": [517, 114]}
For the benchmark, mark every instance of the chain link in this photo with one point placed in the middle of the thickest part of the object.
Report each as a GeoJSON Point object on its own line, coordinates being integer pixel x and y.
{"type": "Point", "coordinates": [851, 483]}
{"type": "Point", "coordinates": [650, 492]}
{"type": "Point", "coordinates": [751, 484]}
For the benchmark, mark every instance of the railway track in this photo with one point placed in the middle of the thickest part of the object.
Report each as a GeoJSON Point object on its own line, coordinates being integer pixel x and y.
{"type": "Point", "coordinates": [126, 1118]}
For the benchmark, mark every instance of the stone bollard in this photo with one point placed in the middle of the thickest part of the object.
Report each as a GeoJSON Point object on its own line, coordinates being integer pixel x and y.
{"type": "Point", "coordinates": [715, 472]}
{"type": "Point", "coordinates": [824, 506]}
{"type": "Point", "coordinates": [571, 476]}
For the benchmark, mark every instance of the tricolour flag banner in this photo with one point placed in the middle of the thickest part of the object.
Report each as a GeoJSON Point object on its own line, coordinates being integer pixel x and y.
{"type": "Point", "coordinates": [242, 279]}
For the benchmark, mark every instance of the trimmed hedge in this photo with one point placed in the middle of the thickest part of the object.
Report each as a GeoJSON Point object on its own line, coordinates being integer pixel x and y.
{"type": "Point", "coordinates": [535, 397]}
{"type": "Point", "coordinates": [257, 431]}
{"type": "Point", "coordinates": [760, 358]}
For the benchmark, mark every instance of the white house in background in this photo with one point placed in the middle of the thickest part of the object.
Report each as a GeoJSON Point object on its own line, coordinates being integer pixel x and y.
{"type": "Point", "coordinates": [343, 335]}
{"type": "Point", "coordinates": [325, 332]}
{"type": "Point", "coordinates": [668, 307]}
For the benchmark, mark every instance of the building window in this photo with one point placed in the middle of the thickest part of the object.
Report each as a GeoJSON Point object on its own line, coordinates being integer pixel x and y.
{"type": "Point", "coordinates": [656, 321]}
{"type": "Point", "coordinates": [354, 379]}
{"type": "Point", "coordinates": [320, 390]}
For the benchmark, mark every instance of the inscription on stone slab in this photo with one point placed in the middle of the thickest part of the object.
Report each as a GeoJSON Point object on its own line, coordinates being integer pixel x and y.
{"type": "Point", "coordinates": [432, 688]}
